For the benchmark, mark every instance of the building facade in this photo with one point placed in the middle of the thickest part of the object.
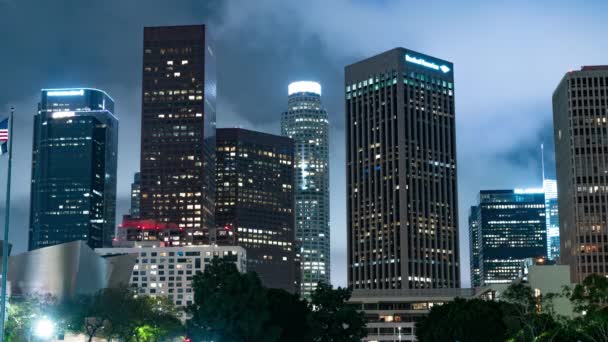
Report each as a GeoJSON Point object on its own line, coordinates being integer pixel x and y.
{"type": "Point", "coordinates": [135, 196]}
{"type": "Point", "coordinates": [306, 122]}
{"type": "Point", "coordinates": [392, 315]}
{"type": "Point", "coordinates": [402, 207]}
{"type": "Point", "coordinates": [74, 155]}
{"type": "Point", "coordinates": [580, 121]}
{"type": "Point", "coordinates": [255, 199]}
{"type": "Point", "coordinates": [510, 227]}
{"type": "Point", "coordinates": [177, 171]}
{"type": "Point", "coordinates": [552, 216]}
{"type": "Point", "coordinates": [474, 246]}
{"type": "Point", "coordinates": [168, 271]}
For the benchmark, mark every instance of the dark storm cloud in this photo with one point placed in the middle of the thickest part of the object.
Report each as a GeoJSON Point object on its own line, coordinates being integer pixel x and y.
{"type": "Point", "coordinates": [508, 59]}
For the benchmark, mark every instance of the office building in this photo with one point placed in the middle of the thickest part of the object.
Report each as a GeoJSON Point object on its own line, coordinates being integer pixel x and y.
{"type": "Point", "coordinates": [306, 122]}
{"type": "Point", "coordinates": [137, 230]}
{"type": "Point", "coordinates": [391, 315]}
{"type": "Point", "coordinates": [510, 227]}
{"type": "Point", "coordinates": [168, 271]}
{"type": "Point", "coordinates": [74, 153]}
{"type": "Point", "coordinates": [135, 196]}
{"type": "Point", "coordinates": [552, 217]}
{"type": "Point", "coordinates": [402, 207]}
{"type": "Point", "coordinates": [255, 200]}
{"type": "Point", "coordinates": [177, 173]}
{"type": "Point", "coordinates": [474, 246]}
{"type": "Point", "coordinates": [580, 120]}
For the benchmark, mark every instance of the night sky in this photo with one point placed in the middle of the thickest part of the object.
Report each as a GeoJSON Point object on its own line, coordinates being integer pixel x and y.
{"type": "Point", "coordinates": [508, 59]}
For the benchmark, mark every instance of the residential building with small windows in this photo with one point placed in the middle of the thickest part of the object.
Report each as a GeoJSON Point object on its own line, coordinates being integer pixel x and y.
{"type": "Point", "coordinates": [306, 122]}
{"type": "Point", "coordinates": [168, 271]}
{"type": "Point", "coordinates": [401, 174]}
{"type": "Point", "coordinates": [177, 170]}
{"type": "Point", "coordinates": [255, 202]}
{"type": "Point", "coordinates": [74, 158]}
{"type": "Point", "coordinates": [580, 124]}
{"type": "Point", "coordinates": [507, 227]}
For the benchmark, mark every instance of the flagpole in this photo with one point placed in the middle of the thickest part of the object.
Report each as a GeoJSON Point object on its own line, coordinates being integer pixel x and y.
{"type": "Point", "coordinates": [5, 244]}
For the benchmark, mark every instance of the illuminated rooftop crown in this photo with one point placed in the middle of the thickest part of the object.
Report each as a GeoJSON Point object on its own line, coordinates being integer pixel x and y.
{"type": "Point", "coordinates": [304, 87]}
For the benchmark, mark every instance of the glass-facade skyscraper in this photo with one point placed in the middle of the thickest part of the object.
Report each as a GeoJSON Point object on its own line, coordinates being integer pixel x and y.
{"type": "Point", "coordinates": [580, 124]}
{"type": "Point", "coordinates": [507, 227]}
{"type": "Point", "coordinates": [255, 201]}
{"type": "Point", "coordinates": [552, 216]}
{"type": "Point", "coordinates": [306, 122]}
{"type": "Point", "coordinates": [402, 197]}
{"type": "Point", "coordinates": [74, 155]}
{"type": "Point", "coordinates": [177, 171]}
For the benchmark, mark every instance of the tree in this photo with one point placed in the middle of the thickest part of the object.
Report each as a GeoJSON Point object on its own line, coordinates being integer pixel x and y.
{"type": "Point", "coordinates": [332, 319]}
{"type": "Point", "coordinates": [22, 312]}
{"type": "Point", "coordinates": [473, 320]}
{"type": "Point", "coordinates": [229, 306]}
{"type": "Point", "coordinates": [591, 295]}
{"type": "Point", "coordinates": [290, 315]}
{"type": "Point", "coordinates": [118, 313]}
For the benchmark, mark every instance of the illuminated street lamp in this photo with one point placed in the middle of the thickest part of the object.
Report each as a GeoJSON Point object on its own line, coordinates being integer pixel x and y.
{"type": "Point", "coordinates": [44, 328]}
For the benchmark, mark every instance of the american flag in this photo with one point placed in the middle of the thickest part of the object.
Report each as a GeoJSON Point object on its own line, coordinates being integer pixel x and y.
{"type": "Point", "coordinates": [3, 136]}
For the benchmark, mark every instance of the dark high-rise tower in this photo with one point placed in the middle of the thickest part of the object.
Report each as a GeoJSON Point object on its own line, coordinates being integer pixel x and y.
{"type": "Point", "coordinates": [580, 122]}
{"type": "Point", "coordinates": [401, 172]}
{"type": "Point", "coordinates": [506, 227]}
{"type": "Point", "coordinates": [255, 199]}
{"type": "Point", "coordinates": [307, 124]}
{"type": "Point", "coordinates": [135, 196]}
{"type": "Point", "coordinates": [178, 128]}
{"type": "Point", "coordinates": [73, 194]}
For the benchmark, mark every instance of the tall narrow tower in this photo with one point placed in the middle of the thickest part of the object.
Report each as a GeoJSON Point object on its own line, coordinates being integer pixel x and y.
{"type": "Point", "coordinates": [402, 197]}
{"type": "Point", "coordinates": [177, 173]}
{"type": "Point", "coordinates": [306, 122]}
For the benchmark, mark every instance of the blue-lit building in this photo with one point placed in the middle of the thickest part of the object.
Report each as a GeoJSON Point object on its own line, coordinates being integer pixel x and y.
{"type": "Point", "coordinates": [507, 227]}
{"type": "Point", "coordinates": [552, 216]}
{"type": "Point", "coordinates": [306, 122]}
{"type": "Point", "coordinates": [74, 153]}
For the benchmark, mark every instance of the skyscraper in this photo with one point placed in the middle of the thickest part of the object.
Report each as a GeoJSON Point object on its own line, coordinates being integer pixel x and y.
{"type": "Point", "coordinates": [178, 128]}
{"type": "Point", "coordinates": [552, 216]}
{"type": "Point", "coordinates": [509, 226]}
{"type": "Point", "coordinates": [475, 246]}
{"type": "Point", "coordinates": [74, 153]}
{"type": "Point", "coordinates": [306, 122]}
{"type": "Point", "coordinates": [135, 196]}
{"type": "Point", "coordinates": [580, 122]}
{"type": "Point", "coordinates": [255, 200]}
{"type": "Point", "coordinates": [402, 207]}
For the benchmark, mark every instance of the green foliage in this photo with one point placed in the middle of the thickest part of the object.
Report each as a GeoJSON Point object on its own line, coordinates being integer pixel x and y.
{"type": "Point", "coordinates": [117, 313]}
{"type": "Point", "coordinates": [463, 320]}
{"type": "Point", "coordinates": [22, 312]}
{"type": "Point", "coordinates": [520, 316]}
{"type": "Point", "coordinates": [235, 307]}
{"type": "Point", "coordinates": [332, 319]}
{"type": "Point", "coordinates": [229, 306]}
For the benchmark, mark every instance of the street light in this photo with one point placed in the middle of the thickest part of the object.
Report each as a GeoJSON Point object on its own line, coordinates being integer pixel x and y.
{"type": "Point", "coordinates": [44, 328]}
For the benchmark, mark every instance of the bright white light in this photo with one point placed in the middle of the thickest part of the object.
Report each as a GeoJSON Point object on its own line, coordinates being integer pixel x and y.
{"type": "Point", "coordinates": [304, 87]}
{"type": "Point", "coordinates": [529, 191]}
{"type": "Point", "coordinates": [44, 328]}
{"type": "Point", "coordinates": [78, 92]}
{"type": "Point", "coordinates": [60, 115]}
{"type": "Point", "coordinates": [425, 63]}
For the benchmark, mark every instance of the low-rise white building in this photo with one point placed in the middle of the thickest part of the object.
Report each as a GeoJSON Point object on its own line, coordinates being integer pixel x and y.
{"type": "Point", "coordinates": [168, 271]}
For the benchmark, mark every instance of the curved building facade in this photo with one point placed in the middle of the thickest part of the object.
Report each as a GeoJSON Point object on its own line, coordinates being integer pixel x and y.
{"type": "Point", "coordinates": [306, 122]}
